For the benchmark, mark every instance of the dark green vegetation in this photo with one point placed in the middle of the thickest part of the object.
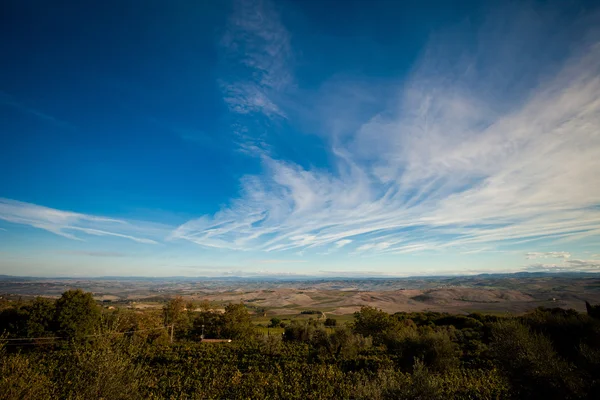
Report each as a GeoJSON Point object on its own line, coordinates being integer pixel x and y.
{"type": "Point", "coordinates": [121, 354]}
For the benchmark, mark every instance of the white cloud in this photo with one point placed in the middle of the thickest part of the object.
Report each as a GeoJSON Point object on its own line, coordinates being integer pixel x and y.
{"type": "Point", "coordinates": [248, 98]}
{"type": "Point", "coordinates": [66, 223]}
{"type": "Point", "coordinates": [584, 264]}
{"type": "Point", "coordinates": [341, 243]}
{"type": "Point", "coordinates": [276, 261]}
{"type": "Point", "coordinates": [255, 66]}
{"type": "Point", "coordinates": [373, 246]}
{"type": "Point", "coordinates": [550, 254]}
{"type": "Point", "coordinates": [470, 155]}
{"type": "Point", "coordinates": [567, 266]}
{"type": "Point", "coordinates": [257, 39]}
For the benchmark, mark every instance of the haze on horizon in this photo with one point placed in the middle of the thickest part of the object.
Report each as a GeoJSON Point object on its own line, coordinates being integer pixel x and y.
{"type": "Point", "coordinates": [312, 138]}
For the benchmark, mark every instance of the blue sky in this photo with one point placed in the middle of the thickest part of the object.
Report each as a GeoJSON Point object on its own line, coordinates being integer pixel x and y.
{"type": "Point", "coordinates": [296, 137]}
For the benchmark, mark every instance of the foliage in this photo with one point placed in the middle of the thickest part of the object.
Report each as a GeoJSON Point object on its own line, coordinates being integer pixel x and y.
{"type": "Point", "coordinates": [548, 353]}
{"type": "Point", "coordinates": [434, 348]}
{"type": "Point", "coordinates": [370, 321]}
{"type": "Point", "coordinates": [236, 322]}
{"type": "Point", "coordinates": [177, 313]}
{"type": "Point", "coordinates": [530, 361]}
{"type": "Point", "coordinates": [593, 311]}
{"type": "Point", "coordinates": [76, 315]}
{"type": "Point", "coordinates": [40, 318]}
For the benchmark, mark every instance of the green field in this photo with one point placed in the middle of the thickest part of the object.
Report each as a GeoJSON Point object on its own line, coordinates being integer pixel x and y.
{"type": "Point", "coordinates": [269, 331]}
{"type": "Point", "coordinates": [261, 322]}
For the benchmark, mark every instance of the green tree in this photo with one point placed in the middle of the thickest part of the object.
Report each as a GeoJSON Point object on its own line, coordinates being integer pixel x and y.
{"type": "Point", "coordinates": [175, 312]}
{"type": "Point", "coordinates": [41, 315]}
{"type": "Point", "coordinates": [347, 344]}
{"type": "Point", "coordinates": [299, 331]}
{"type": "Point", "coordinates": [275, 322]}
{"type": "Point", "coordinates": [13, 321]}
{"type": "Point", "coordinates": [435, 349]}
{"type": "Point", "coordinates": [236, 322]}
{"type": "Point", "coordinates": [330, 322]}
{"type": "Point", "coordinates": [370, 321]}
{"type": "Point", "coordinates": [205, 305]}
{"type": "Point", "coordinates": [536, 371]}
{"type": "Point", "coordinates": [77, 314]}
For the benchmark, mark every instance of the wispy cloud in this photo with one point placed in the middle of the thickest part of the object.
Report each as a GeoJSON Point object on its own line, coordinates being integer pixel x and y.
{"type": "Point", "coordinates": [255, 70]}
{"type": "Point", "coordinates": [91, 253]}
{"type": "Point", "coordinates": [567, 266]}
{"type": "Point", "coordinates": [551, 254]}
{"type": "Point", "coordinates": [257, 39]}
{"type": "Point", "coordinates": [374, 246]}
{"type": "Point", "coordinates": [341, 243]}
{"type": "Point", "coordinates": [245, 98]}
{"type": "Point", "coordinates": [8, 100]}
{"type": "Point", "coordinates": [584, 264]}
{"type": "Point", "coordinates": [470, 155]}
{"type": "Point", "coordinates": [276, 261]}
{"type": "Point", "coordinates": [67, 223]}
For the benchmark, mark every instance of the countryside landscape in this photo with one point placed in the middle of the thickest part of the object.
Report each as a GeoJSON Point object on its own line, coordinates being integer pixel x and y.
{"type": "Point", "coordinates": [525, 335]}
{"type": "Point", "coordinates": [300, 200]}
{"type": "Point", "coordinates": [490, 293]}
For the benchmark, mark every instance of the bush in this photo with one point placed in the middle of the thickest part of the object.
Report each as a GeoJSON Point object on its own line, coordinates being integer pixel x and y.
{"type": "Point", "coordinates": [104, 370]}
{"type": "Point", "coordinates": [77, 315]}
{"type": "Point", "coordinates": [372, 322]}
{"type": "Point", "coordinates": [434, 349]}
{"type": "Point", "coordinates": [21, 378]}
{"type": "Point", "coordinates": [534, 368]}
{"type": "Point", "coordinates": [550, 353]}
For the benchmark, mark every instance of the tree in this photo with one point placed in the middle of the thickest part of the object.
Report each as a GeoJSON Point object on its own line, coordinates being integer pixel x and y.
{"type": "Point", "coordinates": [76, 315]}
{"type": "Point", "coordinates": [370, 321]}
{"type": "Point", "coordinates": [41, 315]}
{"type": "Point", "coordinates": [13, 321]}
{"type": "Point", "coordinates": [299, 331]}
{"type": "Point", "coordinates": [236, 322]}
{"type": "Point", "coordinates": [593, 311]}
{"type": "Point", "coordinates": [534, 367]}
{"type": "Point", "coordinates": [330, 322]}
{"type": "Point", "coordinates": [275, 322]}
{"type": "Point", "coordinates": [175, 312]}
{"type": "Point", "coordinates": [205, 306]}
{"type": "Point", "coordinates": [434, 348]}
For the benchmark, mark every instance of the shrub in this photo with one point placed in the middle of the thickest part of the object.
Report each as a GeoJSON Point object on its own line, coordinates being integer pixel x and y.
{"type": "Point", "coordinates": [76, 315]}
{"type": "Point", "coordinates": [529, 359]}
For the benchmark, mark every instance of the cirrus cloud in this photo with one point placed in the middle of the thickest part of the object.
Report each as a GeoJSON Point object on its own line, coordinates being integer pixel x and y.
{"type": "Point", "coordinates": [467, 155]}
{"type": "Point", "coordinates": [67, 223]}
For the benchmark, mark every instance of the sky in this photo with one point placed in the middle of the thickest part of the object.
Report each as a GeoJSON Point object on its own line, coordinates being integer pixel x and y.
{"type": "Point", "coordinates": [282, 138]}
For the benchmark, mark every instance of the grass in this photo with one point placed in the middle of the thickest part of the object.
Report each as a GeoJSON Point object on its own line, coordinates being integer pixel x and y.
{"type": "Point", "coordinates": [264, 321]}
{"type": "Point", "coordinates": [269, 331]}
